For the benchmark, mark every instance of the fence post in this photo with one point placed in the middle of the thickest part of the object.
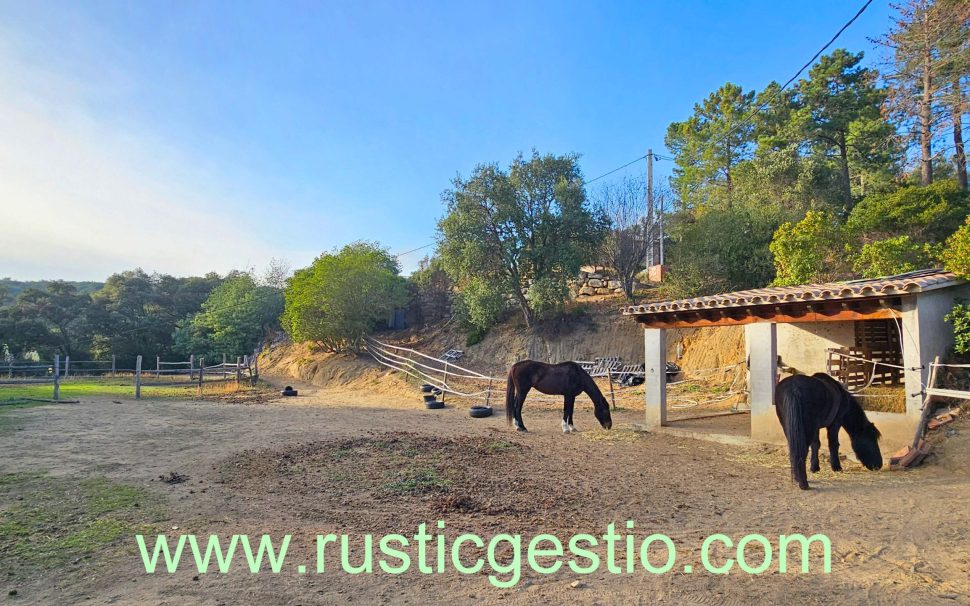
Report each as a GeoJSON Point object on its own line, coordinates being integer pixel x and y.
{"type": "Point", "coordinates": [444, 383]}
{"type": "Point", "coordinates": [114, 366]}
{"type": "Point", "coordinates": [238, 363]}
{"type": "Point", "coordinates": [254, 371]}
{"type": "Point", "coordinates": [57, 377]}
{"type": "Point", "coordinates": [201, 373]}
{"type": "Point", "coordinates": [67, 366]}
{"type": "Point", "coordinates": [224, 370]}
{"type": "Point", "coordinates": [158, 366]}
{"type": "Point", "coordinates": [488, 392]}
{"type": "Point", "coordinates": [609, 373]}
{"type": "Point", "coordinates": [10, 368]}
{"type": "Point", "coordinates": [191, 366]}
{"type": "Point", "coordinates": [138, 378]}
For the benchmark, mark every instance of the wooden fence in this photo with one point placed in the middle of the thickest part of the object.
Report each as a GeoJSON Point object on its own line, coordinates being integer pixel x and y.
{"type": "Point", "coordinates": [188, 373]}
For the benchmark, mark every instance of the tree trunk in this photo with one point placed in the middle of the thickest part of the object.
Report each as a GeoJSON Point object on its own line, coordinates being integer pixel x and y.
{"type": "Point", "coordinates": [959, 154]}
{"type": "Point", "coordinates": [926, 120]}
{"type": "Point", "coordinates": [844, 165]}
{"type": "Point", "coordinates": [524, 306]}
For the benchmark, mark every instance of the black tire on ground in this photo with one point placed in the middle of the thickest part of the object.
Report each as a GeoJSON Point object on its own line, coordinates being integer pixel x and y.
{"type": "Point", "coordinates": [427, 388]}
{"type": "Point", "coordinates": [434, 404]}
{"type": "Point", "coordinates": [289, 391]}
{"type": "Point", "coordinates": [480, 412]}
{"type": "Point", "coordinates": [430, 397]}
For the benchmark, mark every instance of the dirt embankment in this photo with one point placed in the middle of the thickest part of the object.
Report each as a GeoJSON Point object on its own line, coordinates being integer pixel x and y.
{"type": "Point", "coordinates": [599, 331]}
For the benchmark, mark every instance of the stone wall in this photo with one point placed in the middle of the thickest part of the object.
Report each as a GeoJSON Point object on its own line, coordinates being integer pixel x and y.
{"type": "Point", "coordinates": [595, 280]}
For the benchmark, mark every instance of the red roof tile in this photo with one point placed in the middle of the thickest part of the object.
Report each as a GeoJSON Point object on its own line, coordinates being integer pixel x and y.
{"type": "Point", "coordinates": [903, 284]}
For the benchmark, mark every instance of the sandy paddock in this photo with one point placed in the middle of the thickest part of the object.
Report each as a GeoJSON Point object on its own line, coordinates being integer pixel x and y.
{"type": "Point", "coordinates": [342, 462]}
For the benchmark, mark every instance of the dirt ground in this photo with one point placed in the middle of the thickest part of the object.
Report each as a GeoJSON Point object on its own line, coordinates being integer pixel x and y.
{"type": "Point", "coordinates": [343, 461]}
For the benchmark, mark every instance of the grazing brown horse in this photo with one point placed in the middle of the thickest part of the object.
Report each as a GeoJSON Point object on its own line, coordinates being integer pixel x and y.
{"type": "Point", "coordinates": [806, 404]}
{"type": "Point", "coordinates": [567, 379]}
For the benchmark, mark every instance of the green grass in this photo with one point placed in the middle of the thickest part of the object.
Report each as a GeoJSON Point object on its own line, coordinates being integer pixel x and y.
{"type": "Point", "coordinates": [48, 522]}
{"type": "Point", "coordinates": [74, 389]}
{"type": "Point", "coordinates": [416, 479]}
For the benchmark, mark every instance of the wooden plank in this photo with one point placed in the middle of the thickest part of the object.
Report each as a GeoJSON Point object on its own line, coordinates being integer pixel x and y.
{"type": "Point", "coordinates": [948, 393]}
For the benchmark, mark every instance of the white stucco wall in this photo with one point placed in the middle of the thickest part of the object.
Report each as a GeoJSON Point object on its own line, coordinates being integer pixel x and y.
{"type": "Point", "coordinates": [802, 346]}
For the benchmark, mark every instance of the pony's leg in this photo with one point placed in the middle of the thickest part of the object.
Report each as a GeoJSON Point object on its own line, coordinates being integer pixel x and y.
{"type": "Point", "coordinates": [816, 444]}
{"type": "Point", "coordinates": [798, 469]}
{"type": "Point", "coordinates": [519, 403]}
{"type": "Point", "coordinates": [834, 448]}
{"type": "Point", "coordinates": [567, 414]}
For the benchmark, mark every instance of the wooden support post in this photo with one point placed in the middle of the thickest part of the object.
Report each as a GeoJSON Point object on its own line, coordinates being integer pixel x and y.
{"type": "Point", "coordinates": [238, 368]}
{"type": "Point", "coordinates": [254, 371]}
{"type": "Point", "coordinates": [10, 368]}
{"type": "Point", "coordinates": [57, 377]}
{"type": "Point", "coordinates": [924, 417]}
{"type": "Point", "coordinates": [444, 383]}
{"type": "Point", "coordinates": [67, 366]}
{"type": "Point", "coordinates": [201, 373]}
{"type": "Point", "coordinates": [158, 366]}
{"type": "Point", "coordinates": [488, 392]}
{"type": "Point", "coordinates": [191, 367]}
{"type": "Point", "coordinates": [609, 373]}
{"type": "Point", "coordinates": [138, 378]}
{"type": "Point", "coordinates": [224, 371]}
{"type": "Point", "coordinates": [114, 365]}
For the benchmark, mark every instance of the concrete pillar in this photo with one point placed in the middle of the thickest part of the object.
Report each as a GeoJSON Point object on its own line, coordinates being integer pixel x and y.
{"type": "Point", "coordinates": [761, 339]}
{"type": "Point", "coordinates": [925, 335]}
{"type": "Point", "coordinates": [655, 377]}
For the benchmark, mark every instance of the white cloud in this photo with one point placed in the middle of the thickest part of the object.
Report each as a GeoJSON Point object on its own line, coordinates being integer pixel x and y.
{"type": "Point", "coordinates": [82, 196]}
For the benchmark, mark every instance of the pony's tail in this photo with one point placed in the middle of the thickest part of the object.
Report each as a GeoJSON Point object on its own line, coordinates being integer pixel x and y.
{"type": "Point", "coordinates": [509, 399]}
{"type": "Point", "coordinates": [792, 400]}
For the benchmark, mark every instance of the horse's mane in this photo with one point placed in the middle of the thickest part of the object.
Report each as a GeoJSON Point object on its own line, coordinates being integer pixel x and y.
{"type": "Point", "coordinates": [590, 387]}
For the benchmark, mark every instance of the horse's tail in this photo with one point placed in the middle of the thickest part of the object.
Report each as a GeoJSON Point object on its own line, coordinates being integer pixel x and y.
{"type": "Point", "coordinates": [509, 398]}
{"type": "Point", "coordinates": [792, 403]}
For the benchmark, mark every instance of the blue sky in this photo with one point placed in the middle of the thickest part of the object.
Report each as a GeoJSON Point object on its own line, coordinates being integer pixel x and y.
{"type": "Point", "coordinates": [185, 137]}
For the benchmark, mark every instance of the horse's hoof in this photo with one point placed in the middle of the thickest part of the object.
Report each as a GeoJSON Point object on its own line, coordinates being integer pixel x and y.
{"type": "Point", "coordinates": [522, 429]}
{"type": "Point", "coordinates": [805, 486]}
{"type": "Point", "coordinates": [815, 469]}
{"type": "Point", "coordinates": [573, 430]}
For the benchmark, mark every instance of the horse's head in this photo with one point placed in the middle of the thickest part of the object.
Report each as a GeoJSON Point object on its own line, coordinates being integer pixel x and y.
{"type": "Point", "coordinates": [865, 444]}
{"type": "Point", "coordinates": [601, 408]}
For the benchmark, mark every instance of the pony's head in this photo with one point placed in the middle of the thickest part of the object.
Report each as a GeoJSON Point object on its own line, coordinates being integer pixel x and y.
{"type": "Point", "coordinates": [601, 409]}
{"type": "Point", "coordinates": [865, 444]}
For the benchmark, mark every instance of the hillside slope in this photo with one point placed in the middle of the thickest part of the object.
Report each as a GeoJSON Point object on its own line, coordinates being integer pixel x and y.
{"type": "Point", "coordinates": [599, 331]}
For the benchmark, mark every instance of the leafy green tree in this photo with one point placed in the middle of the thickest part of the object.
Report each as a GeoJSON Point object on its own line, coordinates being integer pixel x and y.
{"type": "Point", "coordinates": [507, 229]}
{"type": "Point", "coordinates": [432, 290]}
{"type": "Point", "coordinates": [343, 296]}
{"type": "Point", "coordinates": [959, 317]}
{"type": "Point", "coordinates": [137, 313]}
{"type": "Point", "coordinates": [838, 111]}
{"type": "Point", "coordinates": [956, 253]}
{"type": "Point", "coordinates": [927, 214]}
{"type": "Point", "coordinates": [891, 256]}
{"type": "Point", "coordinates": [61, 313]}
{"type": "Point", "coordinates": [709, 145]}
{"type": "Point", "coordinates": [721, 250]}
{"type": "Point", "coordinates": [808, 251]}
{"type": "Point", "coordinates": [233, 320]}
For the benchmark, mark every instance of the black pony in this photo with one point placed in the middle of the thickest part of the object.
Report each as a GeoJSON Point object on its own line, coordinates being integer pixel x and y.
{"type": "Point", "coordinates": [567, 379]}
{"type": "Point", "coordinates": [805, 405]}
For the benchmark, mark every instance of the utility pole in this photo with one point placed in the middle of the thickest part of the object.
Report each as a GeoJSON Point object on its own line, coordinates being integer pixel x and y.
{"type": "Point", "coordinates": [650, 210]}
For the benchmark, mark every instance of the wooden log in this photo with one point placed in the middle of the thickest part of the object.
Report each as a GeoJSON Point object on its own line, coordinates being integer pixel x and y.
{"type": "Point", "coordinates": [113, 365]}
{"type": "Point", "coordinates": [191, 367]}
{"type": "Point", "coordinates": [609, 373]}
{"type": "Point", "coordinates": [67, 366]}
{"type": "Point", "coordinates": [201, 373]}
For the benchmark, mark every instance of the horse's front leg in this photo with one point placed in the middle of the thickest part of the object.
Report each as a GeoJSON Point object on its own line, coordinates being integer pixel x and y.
{"type": "Point", "coordinates": [816, 444]}
{"type": "Point", "coordinates": [569, 403]}
{"type": "Point", "coordinates": [834, 448]}
{"type": "Point", "coordinates": [519, 403]}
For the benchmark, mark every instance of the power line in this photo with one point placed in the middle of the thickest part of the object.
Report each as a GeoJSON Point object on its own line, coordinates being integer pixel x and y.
{"type": "Point", "coordinates": [407, 252]}
{"type": "Point", "coordinates": [630, 163]}
{"type": "Point", "coordinates": [808, 64]}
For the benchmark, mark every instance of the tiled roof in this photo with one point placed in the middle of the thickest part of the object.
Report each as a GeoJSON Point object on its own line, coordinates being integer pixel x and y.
{"type": "Point", "coordinates": [903, 284]}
